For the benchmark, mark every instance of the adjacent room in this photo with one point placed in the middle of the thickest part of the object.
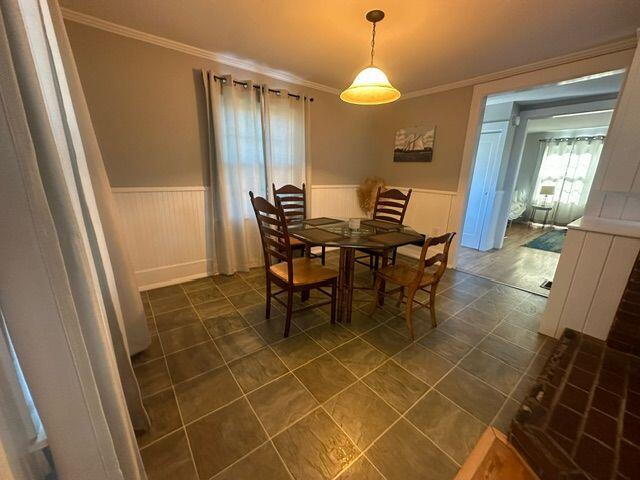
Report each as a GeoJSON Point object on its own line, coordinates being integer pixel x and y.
{"type": "Point", "coordinates": [319, 240]}
{"type": "Point", "coordinates": [537, 156]}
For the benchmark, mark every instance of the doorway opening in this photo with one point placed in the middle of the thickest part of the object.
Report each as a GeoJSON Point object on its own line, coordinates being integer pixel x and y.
{"type": "Point", "coordinates": [535, 161]}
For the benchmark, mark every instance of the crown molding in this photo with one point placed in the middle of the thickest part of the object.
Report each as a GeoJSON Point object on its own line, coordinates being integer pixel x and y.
{"type": "Point", "coordinates": [620, 45]}
{"type": "Point", "coordinates": [243, 64]}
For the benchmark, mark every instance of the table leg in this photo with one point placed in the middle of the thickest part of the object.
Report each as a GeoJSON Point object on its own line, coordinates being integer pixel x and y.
{"type": "Point", "coordinates": [345, 284]}
{"type": "Point", "coordinates": [385, 261]}
{"type": "Point", "coordinates": [304, 295]}
{"type": "Point", "coordinates": [546, 216]}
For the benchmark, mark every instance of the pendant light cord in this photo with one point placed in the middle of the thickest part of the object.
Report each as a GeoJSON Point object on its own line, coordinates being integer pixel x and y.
{"type": "Point", "coordinates": [373, 42]}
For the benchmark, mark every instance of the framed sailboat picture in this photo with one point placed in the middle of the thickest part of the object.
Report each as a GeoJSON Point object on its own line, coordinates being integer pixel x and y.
{"type": "Point", "coordinates": [414, 144]}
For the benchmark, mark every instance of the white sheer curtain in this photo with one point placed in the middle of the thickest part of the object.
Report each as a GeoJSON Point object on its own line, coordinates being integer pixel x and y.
{"type": "Point", "coordinates": [568, 164]}
{"type": "Point", "coordinates": [284, 138]}
{"type": "Point", "coordinates": [256, 137]}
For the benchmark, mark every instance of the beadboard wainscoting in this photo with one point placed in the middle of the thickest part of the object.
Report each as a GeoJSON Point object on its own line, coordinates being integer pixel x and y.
{"type": "Point", "coordinates": [165, 228]}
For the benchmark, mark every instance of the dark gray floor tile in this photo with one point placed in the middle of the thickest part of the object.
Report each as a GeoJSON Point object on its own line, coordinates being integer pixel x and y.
{"type": "Point", "coordinates": [183, 337]}
{"type": "Point", "coordinates": [523, 388]}
{"type": "Point", "coordinates": [176, 319]}
{"type": "Point", "coordinates": [451, 428]}
{"type": "Point", "coordinates": [423, 363]}
{"type": "Point", "coordinates": [533, 305]}
{"type": "Point", "coordinates": [169, 459]}
{"type": "Point", "coordinates": [198, 284]}
{"type": "Point", "coordinates": [281, 403]}
{"type": "Point", "coordinates": [225, 323]}
{"type": "Point", "coordinates": [359, 357]}
{"type": "Point", "coordinates": [395, 385]}
{"type": "Point", "coordinates": [404, 453]}
{"type": "Point", "coordinates": [496, 373]}
{"type": "Point", "coordinates": [224, 436]}
{"type": "Point", "coordinates": [152, 377]}
{"type": "Point", "coordinates": [246, 298]}
{"type": "Point", "coordinates": [234, 288]}
{"type": "Point", "coordinates": [168, 304]}
{"type": "Point", "coordinates": [330, 336]}
{"type": "Point", "coordinates": [386, 340]}
{"type": "Point", "coordinates": [475, 286]}
{"type": "Point", "coordinates": [474, 396]}
{"type": "Point", "coordinates": [153, 351]}
{"type": "Point", "coordinates": [256, 369]}
{"type": "Point", "coordinates": [458, 295]}
{"type": "Point", "coordinates": [222, 279]}
{"type": "Point", "coordinates": [272, 330]}
{"type": "Point", "coordinates": [214, 308]}
{"type": "Point", "coordinates": [523, 320]}
{"type": "Point", "coordinates": [193, 361]}
{"type": "Point", "coordinates": [445, 345]}
{"type": "Point", "coordinates": [164, 292]}
{"type": "Point", "coordinates": [520, 336]}
{"type": "Point", "coordinates": [361, 469]}
{"type": "Point", "coordinates": [310, 318]}
{"type": "Point", "coordinates": [163, 415]}
{"type": "Point", "coordinates": [479, 319]}
{"type": "Point", "coordinates": [463, 331]}
{"type": "Point", "coordinates": [205, 393]}
{"type": "Point", "coordinates": [315, 448]}
{"type": "Point", "coordinates": [507, 413]}
{"type": "Point", "coordinates": [264, 463]}
{"type": "Point", "coordinates": [507, 352]}
{"type": "Point", "coordinates": [205, 295]}
{"type": "Point", "coordinates": [256, 313]}
{"type": "Point", "coordinates": [421, 325]}
{"type": "Point", "coordinates": [445, 306]}
{"type": "Point", "coordinates": [239, 344]}
{"type": "Point", "coordinates": [294, 351]}
{"type": "Point", "coordinates": [361, 322]}
{"type": "Point", "coordinates": [361, 413]}
{"type": "Point", "coordinates": [324, 377]}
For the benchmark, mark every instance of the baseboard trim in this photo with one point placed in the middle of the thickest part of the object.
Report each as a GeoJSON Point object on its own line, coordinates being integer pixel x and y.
{"type": "Point", "coordinates": [172, 274]}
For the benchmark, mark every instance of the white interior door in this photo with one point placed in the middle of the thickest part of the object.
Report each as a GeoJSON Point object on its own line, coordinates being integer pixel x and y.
{"type": "Point", "coordinates": [483, 183]}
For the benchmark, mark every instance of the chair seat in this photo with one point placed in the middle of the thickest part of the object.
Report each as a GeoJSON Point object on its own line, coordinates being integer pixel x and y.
{"type": "Point", "coordinates": [295, 243]}
{"type": "Point", "coordinates": [305, 272]}
{"type": "Point", "coordinates": [403, 275]}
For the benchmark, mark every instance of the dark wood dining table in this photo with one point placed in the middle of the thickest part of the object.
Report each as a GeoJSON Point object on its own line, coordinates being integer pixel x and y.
{"type": "Point", "coordinates": [371, 234]}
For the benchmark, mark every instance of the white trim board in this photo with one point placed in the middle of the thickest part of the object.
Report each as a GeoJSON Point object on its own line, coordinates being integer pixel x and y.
{"type": "Point", "coordinates": [248, 65]}
{"type": "Point", "coordinates": [95, 22]}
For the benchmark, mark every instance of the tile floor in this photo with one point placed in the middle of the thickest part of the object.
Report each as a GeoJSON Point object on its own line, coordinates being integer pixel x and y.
{"type": "Point", "coordinates": [229, 398]}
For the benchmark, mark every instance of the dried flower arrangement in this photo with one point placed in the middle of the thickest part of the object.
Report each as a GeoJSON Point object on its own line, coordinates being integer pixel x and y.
{"type": "Point", "coordinates": [367, 193]}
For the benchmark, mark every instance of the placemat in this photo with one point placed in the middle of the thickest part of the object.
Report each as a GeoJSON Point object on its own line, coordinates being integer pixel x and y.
{"type": "Point", "coordinates": [393, 238]}
{"type": "Point", "coordinates": [381, 224]}
{"type": "Point", "coordinates": [318, 235]}
{"type": "Point", "coordinates": [314, 222]}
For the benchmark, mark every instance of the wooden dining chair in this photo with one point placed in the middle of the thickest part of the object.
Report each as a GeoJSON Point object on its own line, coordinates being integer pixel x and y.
{"type": "Point", "coordinates": [294, 203]}
{"type": "Point", "coordinates": [391, 206]}
{"type": "Point", "coordinates": [292, 275]}
{"type": "Point", "coordinates": [418, 278]}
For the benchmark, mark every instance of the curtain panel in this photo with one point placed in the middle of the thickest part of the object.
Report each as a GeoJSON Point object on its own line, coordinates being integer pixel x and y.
{"type": "Point", "coordinates": [569, 165]}
{"type": "Point", "coordinates": [257, 137]}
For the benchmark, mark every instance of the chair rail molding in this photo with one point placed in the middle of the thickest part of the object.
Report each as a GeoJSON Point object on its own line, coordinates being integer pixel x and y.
{"type": "Point", "coordinates": [166, 232]}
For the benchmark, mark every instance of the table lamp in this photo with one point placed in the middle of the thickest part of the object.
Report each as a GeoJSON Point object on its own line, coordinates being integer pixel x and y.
{"type": "Point", "coordinates": [547, 190]}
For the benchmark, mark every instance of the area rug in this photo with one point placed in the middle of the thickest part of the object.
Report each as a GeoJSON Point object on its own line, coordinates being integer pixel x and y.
{"type": "Point", "coordinates": [550, 241]}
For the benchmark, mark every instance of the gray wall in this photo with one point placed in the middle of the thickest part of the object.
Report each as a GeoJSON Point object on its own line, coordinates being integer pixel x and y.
{"type": "Point", "coordinates": [449, 112]}
{"type": "Point", "coordinates": [146, 103]}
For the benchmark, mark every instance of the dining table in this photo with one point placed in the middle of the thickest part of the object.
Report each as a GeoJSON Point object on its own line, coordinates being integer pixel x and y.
{"type": "Point", "coordinates": [349, 236]}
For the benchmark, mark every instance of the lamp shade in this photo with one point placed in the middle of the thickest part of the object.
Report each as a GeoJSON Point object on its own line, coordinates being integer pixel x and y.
{"type": "Point", "coordinates": [370, 87]}
{"type": "Point", "coordinates": [547, 189]}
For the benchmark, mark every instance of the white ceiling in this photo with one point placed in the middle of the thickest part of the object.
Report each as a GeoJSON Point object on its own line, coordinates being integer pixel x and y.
{"type": "Point", "coordinates": [576, 122]}
{"type": "Point", "coordinates": [420, 43]}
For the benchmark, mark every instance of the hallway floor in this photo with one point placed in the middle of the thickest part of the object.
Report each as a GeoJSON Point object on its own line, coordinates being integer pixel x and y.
{"type": "Point", "coordinates": [229, 398]}
{"type": "Point", "coordinates": [514, 264]}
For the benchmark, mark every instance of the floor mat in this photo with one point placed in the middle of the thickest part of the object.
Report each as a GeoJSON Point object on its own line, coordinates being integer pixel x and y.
{"type": "Point", "coordinates": [550, 241]}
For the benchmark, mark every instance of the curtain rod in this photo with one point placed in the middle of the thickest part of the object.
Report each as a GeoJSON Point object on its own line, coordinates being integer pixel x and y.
{"type": "Point", "coordinates": [580, 137]}
{"type": "Point", "coordinates": [245, 84]}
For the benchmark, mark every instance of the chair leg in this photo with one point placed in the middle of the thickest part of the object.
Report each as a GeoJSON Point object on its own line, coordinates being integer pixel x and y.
{"type": "Point", "coordinates": [432, 306]}
{"type": "Point", "coordinates": [334, 296]}
{"type": "Point", "coordinates": [322, 255]}
{"type": "Point", "coordinates": [376, 290]}
{"type": "Point", "coordinates": [267, 314]}
{"type": "Point", "coordinates": [393, 257]}
{"type": "Point", "coordinates": [371, 262]}
{"type": "Point", "coordinates": [287, 324]}
{"type": "Point", "coordinates": [377, 263]}
{"type": "Point", "coordinates": [400, 297]}
{"type": "Point", "coordinates": [409, 312]}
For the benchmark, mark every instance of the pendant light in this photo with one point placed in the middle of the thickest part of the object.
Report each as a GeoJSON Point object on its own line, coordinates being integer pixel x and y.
{"type": "Point", "coordinates": [371, 86]}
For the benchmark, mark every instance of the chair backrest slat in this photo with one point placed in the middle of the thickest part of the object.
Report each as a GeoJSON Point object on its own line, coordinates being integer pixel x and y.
{"type": "Point", "coordinates": [274, 234]}
{"type": "Point", "coordinates": [293, 201]}
{"type": "Point", "coordinates": [391, 205]}
{"type": "Point", "coordinates": [440, 258]}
